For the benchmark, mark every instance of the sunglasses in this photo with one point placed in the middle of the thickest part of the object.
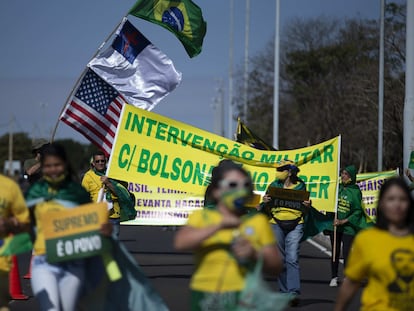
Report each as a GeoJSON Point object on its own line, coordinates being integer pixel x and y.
{"type": "Point", "coordinates": [100, 161]}
{"type": "Point", "coordinates": [234, 184]}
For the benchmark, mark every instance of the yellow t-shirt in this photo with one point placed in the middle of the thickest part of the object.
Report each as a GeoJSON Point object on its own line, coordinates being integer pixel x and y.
{"type": "Point", "coordinates": [283, 213]}
{"type": "Point", "coordinates": [387, 262]}
{"type": "Point", "coordinates": [12, 204]}
{"type": "Point", "coordinates": [92, 183]}
{"type": "Point", "coordinates": [214, 262]}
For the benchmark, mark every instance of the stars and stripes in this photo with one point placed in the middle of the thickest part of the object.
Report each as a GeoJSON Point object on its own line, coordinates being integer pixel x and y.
{"type": "Point", "coordinates": [130, 71]}
{"type": "Point", "coordinates": [94, 111]}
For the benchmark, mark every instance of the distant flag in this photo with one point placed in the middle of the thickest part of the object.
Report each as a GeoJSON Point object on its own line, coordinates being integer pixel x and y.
{"type": "Point", "coordinates": [246, 136]}
{"type": "Point", "coordinates": [136, 68]}
{"type": "Point", "coordinates": [411, 164]}
{"type": "Point", "coordinates": [94, 110]}
{"type": "Point", "coordinates": [183, 17]}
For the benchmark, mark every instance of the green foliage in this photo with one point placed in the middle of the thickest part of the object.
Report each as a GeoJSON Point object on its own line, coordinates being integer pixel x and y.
{"type": "Point", "coordinates": [79, 154]}
{"type": "Point", "coordinates": [329, 86]}
{"type": "Point", "coordinates": [21, 147]}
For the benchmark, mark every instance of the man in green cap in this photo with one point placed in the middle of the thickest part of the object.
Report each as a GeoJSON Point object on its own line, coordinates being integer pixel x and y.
{"type": "Point", "coordinates": [347, 221]}
{"type": "Point", "coordinates": [32, 166]}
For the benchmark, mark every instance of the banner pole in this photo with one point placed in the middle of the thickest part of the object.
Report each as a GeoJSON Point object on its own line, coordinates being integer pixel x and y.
{"type": "Point", "coordinates": [334, 241]}
{"type": "Point", "coordinates": [82, 75]}
{"type": "Point", "coordinates": [336, 201]}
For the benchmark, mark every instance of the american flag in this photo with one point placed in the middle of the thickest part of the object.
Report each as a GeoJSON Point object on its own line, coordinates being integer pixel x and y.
{"type": "Point", "coordinates": [94, 111]}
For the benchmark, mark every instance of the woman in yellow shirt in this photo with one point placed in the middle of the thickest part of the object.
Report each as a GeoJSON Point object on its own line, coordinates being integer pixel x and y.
{"type": "Point", "coordinates": [384, 255]}
{"type": "Point", "coordinates": [226, 240]}
{"type": "Point", "coordinates": [57, 286]}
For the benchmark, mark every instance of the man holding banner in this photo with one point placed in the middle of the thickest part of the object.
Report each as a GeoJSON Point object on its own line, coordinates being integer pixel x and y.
{"type": "Point", "coordinates": [14, 217]}
{"type": "Point", "coordinates": [102, 188]}
{"type": "Point", "coordinates": [286, 217]}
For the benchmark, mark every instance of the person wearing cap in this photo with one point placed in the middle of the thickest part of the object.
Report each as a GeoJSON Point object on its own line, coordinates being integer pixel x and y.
{"type": "Point", "coordinates": [347, 221]}
{"type": "Point", "coordinates": [287, 225]}
{"type": "Point", "coordinates": [32, 166]}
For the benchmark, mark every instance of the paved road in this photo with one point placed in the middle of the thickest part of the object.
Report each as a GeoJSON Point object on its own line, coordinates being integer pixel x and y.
{"type": "Point", "coordinates": [170, 271]}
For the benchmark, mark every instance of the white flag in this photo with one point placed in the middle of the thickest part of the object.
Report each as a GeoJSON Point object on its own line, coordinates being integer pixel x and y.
{"type": "Point", "coordinates": [136, 68]}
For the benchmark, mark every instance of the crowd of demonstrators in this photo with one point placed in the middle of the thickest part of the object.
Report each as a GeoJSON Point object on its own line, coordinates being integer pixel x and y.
{"type": "Point", "coordinates": [102, 188]}
{"type": "Point", "coordinates": [226, 240]}
{"type": "Point", "coordinates": [346, 223]}
{"type": "Point", "coordinates": [287, 224]}
{"type": "Point", "coordinates": [14, 218]}
{"type": "Point", "coordinates": [57, 286]}
{"type": "Point", "coordinates": [384, 255]}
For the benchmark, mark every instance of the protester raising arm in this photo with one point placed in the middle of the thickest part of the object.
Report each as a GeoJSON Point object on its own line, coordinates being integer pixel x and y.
{"type": "Point", "coordinates": [226, 240]}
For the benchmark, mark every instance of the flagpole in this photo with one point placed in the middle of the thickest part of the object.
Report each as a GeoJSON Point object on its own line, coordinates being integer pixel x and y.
{"type": "Point", "coordinates": [336, 197]}
{"type": "Point", "coordinates": [82, 75]}
{"type": "Point", "coordinates": [246, 58]}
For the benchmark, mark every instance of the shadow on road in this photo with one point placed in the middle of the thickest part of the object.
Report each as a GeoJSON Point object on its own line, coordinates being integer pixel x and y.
{"type": "Point", "coordinates": [307, 302]}
{"type": "Point", "coordinates": [314, 281]}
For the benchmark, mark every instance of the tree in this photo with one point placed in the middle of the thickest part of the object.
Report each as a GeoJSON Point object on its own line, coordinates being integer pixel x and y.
{"type": "Point", "coordinates": [21, 148]}
{"type": "Point", "coordinates": [329, 86]}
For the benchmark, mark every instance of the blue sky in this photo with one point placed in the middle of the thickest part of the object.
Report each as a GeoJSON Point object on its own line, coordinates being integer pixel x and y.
{"type": "Point", "coordinates": [46, 44]}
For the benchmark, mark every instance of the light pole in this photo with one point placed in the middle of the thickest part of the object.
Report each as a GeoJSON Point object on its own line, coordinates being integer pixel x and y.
{"type": "Point", "coordinates": [409, 86]}
{"type": "Point", "coordinates": [276, 79]}
{"type": "Point", "coordinates": [218, 106]}
{"type": "Point", "coordinates": [231, 43]}
{"type": "Point", "coordinates": [246, 59]}
{"type": "Point", "coordinates": [381, 89]}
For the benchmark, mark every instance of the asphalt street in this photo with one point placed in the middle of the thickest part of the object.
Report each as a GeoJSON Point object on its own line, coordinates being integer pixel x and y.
{"type": "Point", "coordinates": [170, 271]}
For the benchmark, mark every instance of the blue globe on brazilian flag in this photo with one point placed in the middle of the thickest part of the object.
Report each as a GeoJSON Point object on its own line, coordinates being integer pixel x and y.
{"type": "Point", "coordinates": [184, 18]}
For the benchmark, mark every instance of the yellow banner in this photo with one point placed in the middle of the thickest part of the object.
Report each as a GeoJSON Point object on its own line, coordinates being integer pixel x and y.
{"type": "Point", "coordinates": [75, 233]}
{"type": "Point", "coordinates": [370, 184]}
{"type": "Point", "coordinates": [168, 154]}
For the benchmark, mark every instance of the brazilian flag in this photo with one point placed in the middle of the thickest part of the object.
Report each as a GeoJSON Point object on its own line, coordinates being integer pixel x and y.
{"type": "Point", "coordinates": [15, 244]}
{"type": "Point", "coordinates": [246, 136]}
{"type": "Point", "coordinates": [182, 17]}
